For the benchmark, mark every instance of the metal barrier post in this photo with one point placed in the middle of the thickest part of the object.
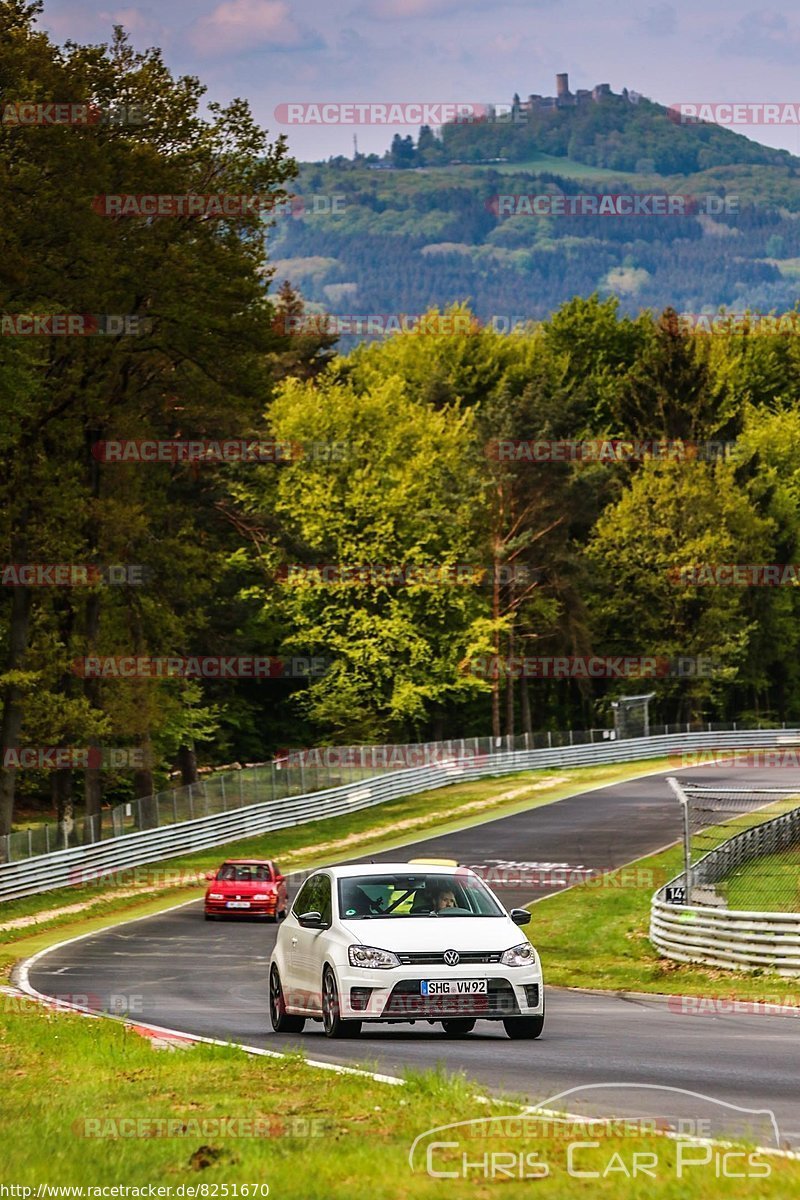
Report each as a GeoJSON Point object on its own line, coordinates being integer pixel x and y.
{"type": "Point", "coordinates": [687, 842]}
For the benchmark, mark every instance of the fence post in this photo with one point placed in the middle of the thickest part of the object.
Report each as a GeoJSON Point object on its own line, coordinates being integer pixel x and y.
{"type": "Point", "coordinates": [241, 789]}
{"type": "Point", "coordinates": [47, 839]}
{"type": "Point", "coordinates": [175, 806]}
{"type": "Point", "coordinates": [687, 844]}
{"type": "Point", "coordinates": [222, 790]}
{"type": "Point", "coordinates": [191, 804]}
{"type": "Point", "coordinates": [30, 842]}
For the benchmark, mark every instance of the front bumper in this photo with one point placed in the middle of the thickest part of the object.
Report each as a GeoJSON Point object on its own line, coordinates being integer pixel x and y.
{"type": "Point", "coordinates": [396, 994]}
{"type": "Point", "coordinates": [258, 908]}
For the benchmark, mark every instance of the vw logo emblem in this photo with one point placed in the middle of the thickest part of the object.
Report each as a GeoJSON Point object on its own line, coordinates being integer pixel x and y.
{"type": "Point", "coordinates": [451, 958]}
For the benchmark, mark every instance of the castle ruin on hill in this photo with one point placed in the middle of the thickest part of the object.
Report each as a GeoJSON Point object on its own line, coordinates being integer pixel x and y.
{"type": "Point", "coordinates": [564, 98]}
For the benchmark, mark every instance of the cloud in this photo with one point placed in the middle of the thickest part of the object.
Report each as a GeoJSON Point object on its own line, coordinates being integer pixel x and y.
{"type": "Point", "coordinates": [237, 25]}
{"type": "Point", "coordinates": [401, 10]}
{"type": "Point", "coordinates": [660, 20]}
{"type": "Point", "coordinates": [409, 10]}
{"type": "Point", "coordinates": [764, 35]}
{"type": "Point", "coordinates": [83, 22]}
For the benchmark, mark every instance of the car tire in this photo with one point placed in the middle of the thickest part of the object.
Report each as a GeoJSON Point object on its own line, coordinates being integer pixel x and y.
{"type": "Point", "coordinates": [332, 1023]}
{"type": "Point", "coordinates": [209, 916]}
{"type": "Point", "coordinates": [458, 1026]}
{"type": "Point", "coordinates": [525, 1027]}
{"type": "Point", "coordinates": [281, 1021]}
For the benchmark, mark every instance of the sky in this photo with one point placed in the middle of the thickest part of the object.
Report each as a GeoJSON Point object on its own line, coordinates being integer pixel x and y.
{"type": "Point", "coordinates": [275, 52]}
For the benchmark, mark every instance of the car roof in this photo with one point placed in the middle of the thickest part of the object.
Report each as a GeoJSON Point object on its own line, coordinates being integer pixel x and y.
{"type": "Point", "coordinates": [387, 868]}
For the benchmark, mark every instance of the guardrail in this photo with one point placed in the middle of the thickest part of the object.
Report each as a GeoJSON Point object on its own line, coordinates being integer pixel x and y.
{"type": "Point", "coordinates": [82, 863]}
{"type": "Point", "coordinates": [731, 938]}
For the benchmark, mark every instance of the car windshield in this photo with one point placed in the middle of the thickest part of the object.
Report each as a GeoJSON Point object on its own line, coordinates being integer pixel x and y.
{"type": "Point", "coordinates": [244, 873]}
{"type": "Point", "coordinates": [421, 894]}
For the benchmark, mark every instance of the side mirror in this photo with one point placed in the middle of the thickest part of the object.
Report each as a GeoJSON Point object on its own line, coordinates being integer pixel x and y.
{"type": "Point", "coordinates": [312, 920]}
{"type": "Point", "coordinates": [520, 916]}
{"type": "Point", "coordinates": [280, 878]}
{"type": "Point", "coordinates": [211, 875]}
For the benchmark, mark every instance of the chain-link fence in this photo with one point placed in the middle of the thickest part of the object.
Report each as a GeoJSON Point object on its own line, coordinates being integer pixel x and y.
{"type": "Point", "coordinates": [741, 848]}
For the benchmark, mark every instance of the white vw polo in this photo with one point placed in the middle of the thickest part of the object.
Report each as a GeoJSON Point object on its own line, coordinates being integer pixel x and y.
{"type": "Point", "coordinates": [403, 942]}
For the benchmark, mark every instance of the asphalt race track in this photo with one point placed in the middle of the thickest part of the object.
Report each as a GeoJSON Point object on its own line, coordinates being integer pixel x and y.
{"type": "Point", "coordinates": [178, 971]}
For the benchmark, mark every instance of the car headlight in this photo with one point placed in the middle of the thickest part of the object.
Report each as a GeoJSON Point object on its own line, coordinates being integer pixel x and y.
{"type": "Point", "coordinates": [262, 896]}
{"type": "Point", "coordinates": [371, 956]}
{"type": "Point", "coordinates": [215, 896]}
{"type": "Point", "coordinates": [522, 955]}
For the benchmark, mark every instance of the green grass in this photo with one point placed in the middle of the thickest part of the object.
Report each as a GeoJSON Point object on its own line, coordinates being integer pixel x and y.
{"type": "Point", "coordinates": [768, 884]}
{"type": "Point", "coordinates": [212, 1117]}
{"type": "Point", "coordinates": [566, 167]}
{"type": "Point", "coordinates": [394, 823]}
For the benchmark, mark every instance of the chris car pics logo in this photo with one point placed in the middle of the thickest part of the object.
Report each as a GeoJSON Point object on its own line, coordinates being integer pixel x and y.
{"type": "Point", "coordinates": [666, 1133]}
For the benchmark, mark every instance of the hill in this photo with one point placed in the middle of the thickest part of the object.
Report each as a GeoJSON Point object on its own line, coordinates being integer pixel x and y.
{"type": "Point", "coordinates": [434, 222]}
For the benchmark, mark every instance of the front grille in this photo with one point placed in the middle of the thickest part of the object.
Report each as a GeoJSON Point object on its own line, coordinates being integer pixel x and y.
{"type": "Point", "coordinates": [407, 1001]}
{"type": "Point", "coordinates": [465, 957]}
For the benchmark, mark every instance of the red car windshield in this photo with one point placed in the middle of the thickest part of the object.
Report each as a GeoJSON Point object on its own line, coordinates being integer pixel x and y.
{"type": "Point", "coordinates": [244, 873]}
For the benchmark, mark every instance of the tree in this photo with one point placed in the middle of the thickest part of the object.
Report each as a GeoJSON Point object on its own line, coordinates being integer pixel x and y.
{"type": "Point", "coordinates": [402, 152]}
{"type": "Point", "coordinates": [675, 515]}
{"type": "Point", "coordinates": [670, 390]}
{"type": "Point", "coordinates": [309, 349]}
{"type": "Point", "coordinates": [196, 369]}
{"type": "Point", "coordinates": [399, 499]}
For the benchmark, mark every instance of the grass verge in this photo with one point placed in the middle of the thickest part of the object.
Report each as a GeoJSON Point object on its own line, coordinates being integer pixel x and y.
{"type": "Point", "coordinates": [768, 884]}
{"type": "Point", "coordinates": [91, 1104]}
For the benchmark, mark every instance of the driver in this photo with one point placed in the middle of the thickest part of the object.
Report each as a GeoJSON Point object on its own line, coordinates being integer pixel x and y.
{"type": "Point", "coordinates": [443, 899]}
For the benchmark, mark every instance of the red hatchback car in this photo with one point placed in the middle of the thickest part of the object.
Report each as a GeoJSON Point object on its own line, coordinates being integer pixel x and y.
{"type": "Point", "coordinates": [246, 887]}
